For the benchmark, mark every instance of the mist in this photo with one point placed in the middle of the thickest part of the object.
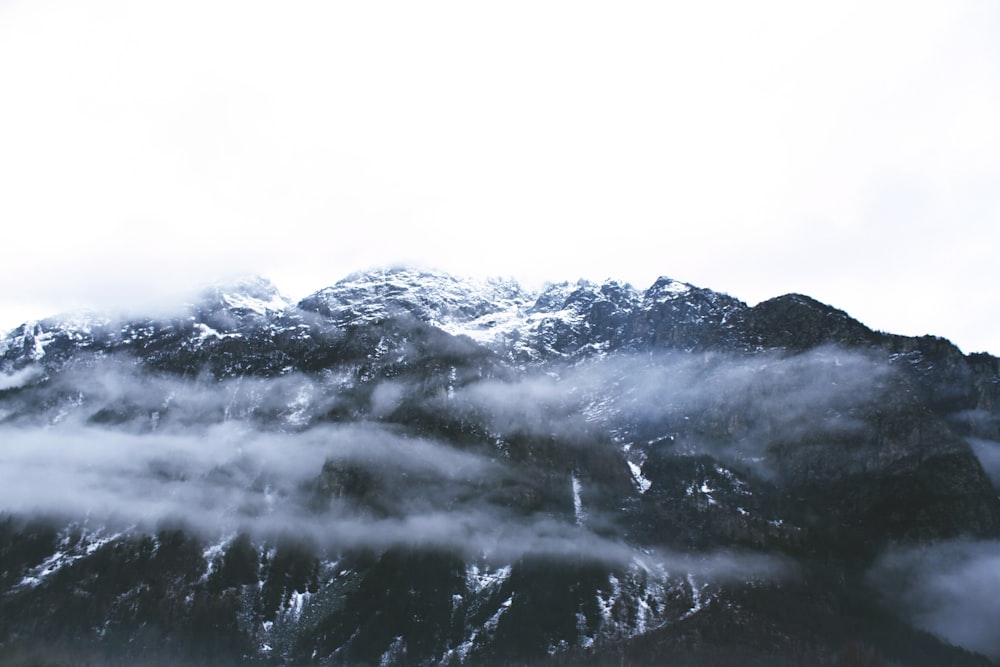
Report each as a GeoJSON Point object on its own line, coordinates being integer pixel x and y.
{"type": "Point", "coordinates": [18, 378]}
{"type": "Point", "coordinates": [948, 589]}
{"type": "Point", "coordinates": [227, 478]}
{"type": "Point", "coordinates": [737, 409]}
{"type": "Point", "coordinates": [988, 452]}
{"type": "Point", "coordinates": [122, 444]}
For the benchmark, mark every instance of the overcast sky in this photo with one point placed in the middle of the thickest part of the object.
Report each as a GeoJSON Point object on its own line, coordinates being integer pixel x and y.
{"type": "Point", "coordinates": [848, 150]}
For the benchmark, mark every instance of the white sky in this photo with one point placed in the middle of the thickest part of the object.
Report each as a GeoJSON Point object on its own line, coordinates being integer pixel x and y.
{"type": "Point", "coordinates": [847, 150]}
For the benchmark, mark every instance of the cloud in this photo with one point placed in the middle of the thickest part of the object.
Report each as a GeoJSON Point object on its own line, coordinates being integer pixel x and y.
{"type": "Point", "coordinates": [107, 439]}
{"type": "Point", "coordinates": [224, 136]}
{"type": "Point", "coordinates": [228, 478]}
{"type": "Point", "coordinates": [113, 418]}
{"type": "Point", "coordinates": [949, 589]}
{"type": "Point", "coordinates": [736, 408]}
{"type": "Point", "coordinates": [19, 378]}
{"type": "Point", "coordinates": [386, 397]}
{"type": "Point", "coordinates": [988, 452]}
{"type": "Point", "coordinates": [540, 405]}
{"type": "Point", "coordinates": [133, 447]}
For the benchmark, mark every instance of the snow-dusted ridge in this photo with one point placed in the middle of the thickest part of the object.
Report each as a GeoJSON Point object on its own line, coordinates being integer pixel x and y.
{"type": "Point", "coordinates": [557, 320]}
{"type": "Point", "coordinates": [499, 313]}
{"type": "Point", "coordinates": [437, 298]}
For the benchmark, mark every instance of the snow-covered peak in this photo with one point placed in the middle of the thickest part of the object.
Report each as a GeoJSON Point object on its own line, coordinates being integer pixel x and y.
{"type": "Point", "coordinates": [249, 294]}
{"type": "Point", "coordinates": [666, 289]}
{"type": "Point", "coordinates": [437, 298]}
{"type": "Point", "coordinates": [568, 319]}
{"type": "Point", "coordinates": [256, 304]}
{"type": "Point", "coordinates": [562, 319]}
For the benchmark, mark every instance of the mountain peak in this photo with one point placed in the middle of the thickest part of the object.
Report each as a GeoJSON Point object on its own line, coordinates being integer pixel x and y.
{"type": "Point", "coordinates": [247, 293]}
{"type": "Point", "coordinates": [432, 296]}
{"type": "Point", "coordinates": [666, 288]}
{"type": "Point", "coordinates": [797, 321]}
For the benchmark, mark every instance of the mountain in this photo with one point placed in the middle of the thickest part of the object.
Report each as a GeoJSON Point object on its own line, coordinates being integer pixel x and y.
{"type": "Point", "coordinates": [411, 468]}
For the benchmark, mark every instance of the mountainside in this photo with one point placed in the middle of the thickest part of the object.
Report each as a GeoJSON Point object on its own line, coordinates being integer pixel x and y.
{"type": "Point", "coordinates": [410, 468]}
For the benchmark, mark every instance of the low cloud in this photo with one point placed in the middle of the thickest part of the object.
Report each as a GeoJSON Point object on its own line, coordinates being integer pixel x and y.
{"type": "Point", "coordinates": [228, 478]}
{"type": "Point", "coordinates": [19, 378]}
{"type": "Point", "coordinates": [542, 406]}
{"type": "Point", "coordinates": [949, 589]}
{"type": "Point", "coordinates": [988, 452]}
{"type": "Point", "coordinates": [223, 475]}
{"type": "Point", "coordinates": [733, 407]}
{"type": "Point", "coordinates": [260, 454]}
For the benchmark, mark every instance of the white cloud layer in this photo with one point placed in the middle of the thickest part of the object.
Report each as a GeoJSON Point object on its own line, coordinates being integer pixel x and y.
{"type": "Point", "coordinates": [949, 589]}
{"type": "Point", "coordinates": [848, 151]}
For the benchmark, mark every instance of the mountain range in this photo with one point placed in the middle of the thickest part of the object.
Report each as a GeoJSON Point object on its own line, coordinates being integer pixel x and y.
{"type": "Point", "coordinates": [409, 468]}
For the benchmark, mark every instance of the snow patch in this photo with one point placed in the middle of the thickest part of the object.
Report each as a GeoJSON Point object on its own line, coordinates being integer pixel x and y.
{"type": "Point", "coordinates": [276, 303]}
{"type": "Point", "coordinates": [494, 327]}
{"type": "Point", "coordinates": [578, 512]}
{"type": "Point", "coordinates": [606, 605]}
{"type": "Point", "coordinates": [40, 339]}
{"type": "Point", "coordinates": [66, 555]}
{"type": "Point", "coordinates": [697, 599]}
{"type": "Point", "coordinates": [489, 627]}
{"type": "Point", "coordinates": [210, 554]}
{"type": "Point", "coordinates": [668, 289]}
{"type": "Point", "coordinates": [641, 482]}
{"type": "Point", "coordinates": [394, 654]}
{"type": "Point", "coordinates": [476, 580]}
{"type": "Point", "coordinates": [296, 602]}
{"type": "Point", "coordinates": [204, 332]}
{"type": "Point", "coordinates": [704, 489]}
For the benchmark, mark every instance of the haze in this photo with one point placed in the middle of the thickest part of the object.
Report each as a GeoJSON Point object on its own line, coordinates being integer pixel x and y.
{"type": "Point", "coordinates": [849, 151]}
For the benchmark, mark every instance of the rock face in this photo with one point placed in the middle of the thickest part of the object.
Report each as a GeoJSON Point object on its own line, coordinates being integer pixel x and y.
{"type": "Point", "coordinates": [410, 468]}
